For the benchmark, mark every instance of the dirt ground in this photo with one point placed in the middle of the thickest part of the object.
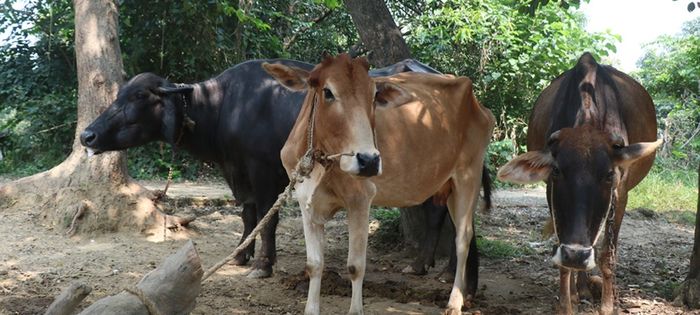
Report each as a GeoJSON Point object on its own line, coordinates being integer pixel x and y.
{"type": "Point", "coordinates": [36, 262]}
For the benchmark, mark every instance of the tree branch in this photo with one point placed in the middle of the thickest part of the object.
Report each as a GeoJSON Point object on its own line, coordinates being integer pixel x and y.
{"type": "Point", "coordinates": [315, 22]}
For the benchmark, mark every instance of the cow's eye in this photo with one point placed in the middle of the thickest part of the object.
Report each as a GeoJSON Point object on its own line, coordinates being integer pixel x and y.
{"type": "Point", "coordinates": [328, 95]}
{"type": "Point", "coordinates": [141, 95]}
{"type": "Point", "coordinates": [555, 171]}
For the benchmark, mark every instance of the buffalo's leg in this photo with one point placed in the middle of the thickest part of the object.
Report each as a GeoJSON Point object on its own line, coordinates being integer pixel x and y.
{"type": "Point", "coordinates": [249, 220]}
{"type": "Point", "coordinates": [265, 197]}
{"type": "Point", "coordinates": [435, 216]}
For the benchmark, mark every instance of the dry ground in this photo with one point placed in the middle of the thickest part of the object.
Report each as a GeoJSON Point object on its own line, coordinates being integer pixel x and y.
{"type": "Point", "coordinates": [36, 262]}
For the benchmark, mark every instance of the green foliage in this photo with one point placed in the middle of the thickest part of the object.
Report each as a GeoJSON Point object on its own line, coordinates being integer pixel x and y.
{"type": "Point", "coordinates": [510, 56]}
{"type": "Point", "coordinates": [494, 248]}
{"type": "Point", "coordinates": [667, 189]}
{"type": "Point", "coordinates": [670, 70]}
{"type": "Point", "coordinates": [37, 85]}
{"type": "Point", "coordinates": [388, 234]}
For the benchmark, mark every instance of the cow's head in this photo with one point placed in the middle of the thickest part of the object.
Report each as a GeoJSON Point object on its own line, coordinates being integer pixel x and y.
{"type": "Point", "coordinates": [147, 108]}
{"type": "Point", "coordinates": [583, 167]}
{"type": "Point", "coordinates": [344, 96]}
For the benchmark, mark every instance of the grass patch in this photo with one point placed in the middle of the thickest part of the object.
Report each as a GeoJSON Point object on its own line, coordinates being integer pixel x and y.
{"type": "Point", "coordinates": [667, 190]}
{"type": "Point", "coordinates": [500, 249]}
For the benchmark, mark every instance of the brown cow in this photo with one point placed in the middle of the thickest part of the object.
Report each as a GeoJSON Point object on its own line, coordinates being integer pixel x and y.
{"type": "Point", "coordinates": [586, 138]}
{"type": "Point", "coordinates": [431, 132]}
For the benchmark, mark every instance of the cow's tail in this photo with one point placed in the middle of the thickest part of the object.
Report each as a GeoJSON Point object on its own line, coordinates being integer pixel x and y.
{"type": "Point", "coordinates": [486, 183]}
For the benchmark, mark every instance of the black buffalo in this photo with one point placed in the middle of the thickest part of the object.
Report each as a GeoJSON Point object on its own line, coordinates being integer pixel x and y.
{"type": "Point", "coordinates": [238, 120]}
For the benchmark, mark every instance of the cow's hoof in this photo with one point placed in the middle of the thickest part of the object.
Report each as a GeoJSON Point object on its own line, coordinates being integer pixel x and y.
{"type": "Point", "coordinates": [410, 269]}
{"type": "Point", "coordinates": [241, 259]}
{"type": "Point", "coordinates": [595, 286]}
{"type": "Point", "coordinates": [259, 274]}
{"type": "Point", "coordinates": [452, 311]}
{"type": "Point", "coordinates": [446, 277]}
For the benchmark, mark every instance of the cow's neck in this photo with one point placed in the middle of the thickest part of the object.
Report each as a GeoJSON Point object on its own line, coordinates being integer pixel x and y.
{"type": "Point", "coordinates": [600, 106]}
{"type": "Point", "coordinates": [203, 108]}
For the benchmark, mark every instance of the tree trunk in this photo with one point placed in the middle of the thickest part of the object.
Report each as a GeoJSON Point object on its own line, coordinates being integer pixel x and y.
{"type": "Point", "coordinates": [689, 291]}
{"type": "Point", "coordinates": [97, 191]}
{"type": "Point", "coordinates": [383, 39]}
{"type": "Point", "coordinates": [378, 31]}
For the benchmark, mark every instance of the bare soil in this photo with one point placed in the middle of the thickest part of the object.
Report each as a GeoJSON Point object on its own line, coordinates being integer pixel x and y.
{"type": "Point", "coordinates": [36, 262]}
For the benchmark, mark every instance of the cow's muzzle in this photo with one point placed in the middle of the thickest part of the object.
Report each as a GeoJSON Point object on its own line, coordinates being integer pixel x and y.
{"type": "Point", "coordinates": [368, 164]}
{"type": "Point", "coordinates": [574, 257]}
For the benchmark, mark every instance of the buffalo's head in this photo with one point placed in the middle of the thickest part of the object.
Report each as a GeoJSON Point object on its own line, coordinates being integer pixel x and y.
{"type": "Point", "coordinates": [147, 108]}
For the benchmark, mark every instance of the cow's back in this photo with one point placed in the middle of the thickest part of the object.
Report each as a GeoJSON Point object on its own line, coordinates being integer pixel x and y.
{"type": "Point", "coordinates": [636, 108]}
{"type": "Point", "coordinates": [433, 136]}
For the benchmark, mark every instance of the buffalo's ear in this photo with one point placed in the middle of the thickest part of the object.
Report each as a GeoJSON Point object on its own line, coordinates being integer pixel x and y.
{"type": "Point", "coordinates": [171, 120]}
{"type": "Point", "coordinates": [627, 155]}
{"type": "Point", "coordinates": [292, 78]}
{"type": "Point", "coordinates": [527, 168]}
{"type": "Point", "coordinates": [390, 95]}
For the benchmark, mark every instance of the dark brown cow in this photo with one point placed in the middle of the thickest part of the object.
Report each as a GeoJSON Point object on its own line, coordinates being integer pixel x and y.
{"type": "Point", "coordinates": [591, 137]}
{"type": "Point", "coordinates": [403, 138]}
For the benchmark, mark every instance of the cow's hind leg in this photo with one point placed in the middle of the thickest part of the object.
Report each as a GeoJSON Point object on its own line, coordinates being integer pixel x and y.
{"type": "Point", "coordinates": [249, 220]}
{"type": "Point", "coordinates": [358, 228]}
{"type": "Point", "coordinates": [461, 205]}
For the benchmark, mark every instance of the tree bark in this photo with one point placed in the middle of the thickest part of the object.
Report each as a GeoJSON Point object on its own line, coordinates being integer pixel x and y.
{"type": "Point", "coordinates": [689, 291]}
{"type": "Point", "coordinates": [383, 39]}
{"type": "Point", "coordinates": [116, 201]}
{"type": "Point", "coordinates": [378, 31]}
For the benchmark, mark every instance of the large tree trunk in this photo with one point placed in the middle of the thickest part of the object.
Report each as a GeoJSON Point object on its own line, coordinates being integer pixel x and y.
{"type": "Point", "coordinates": [94, 194]}
{"type": "Point", "coordinates": [378, 31]}
{"type": "Point", "coordinates": [689, 291]}
{"type": "Point", "coordinates": [383, 38]}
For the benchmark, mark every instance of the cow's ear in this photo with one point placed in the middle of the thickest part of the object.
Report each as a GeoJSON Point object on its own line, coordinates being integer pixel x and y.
{"type": "Point", "coordinates": [633, 152]}
{"type": "Point", "coordinates": [527, 168]}
{"type": "Point", "coordinates": [292, 78]}
{"type": "Point", "coordinates": [390, 95]}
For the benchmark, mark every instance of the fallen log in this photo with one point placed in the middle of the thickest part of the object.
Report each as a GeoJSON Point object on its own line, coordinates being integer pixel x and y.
{"type": "Point", "coordinates": [68, 300]}
{"type": "Point", "coordinates": [169, 289]}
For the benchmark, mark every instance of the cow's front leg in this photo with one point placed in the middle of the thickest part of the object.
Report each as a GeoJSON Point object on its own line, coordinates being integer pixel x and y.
{"type": "Point", "coordinates": [609, 255]}
{"type": "Point", "coordinates": [314, 239]}
{"type": "Point", "coordinates": [358, 228]}
{"type": "Point", "coordinates": [565, 307]}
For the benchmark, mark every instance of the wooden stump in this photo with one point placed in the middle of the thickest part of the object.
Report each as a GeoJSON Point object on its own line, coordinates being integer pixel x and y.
{"type": "Point", "coordinates": [169, 289]}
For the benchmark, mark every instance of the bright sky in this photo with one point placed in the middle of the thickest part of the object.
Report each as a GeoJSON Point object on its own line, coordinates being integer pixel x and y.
{"type": "Point", "coordinates": [638, 22]}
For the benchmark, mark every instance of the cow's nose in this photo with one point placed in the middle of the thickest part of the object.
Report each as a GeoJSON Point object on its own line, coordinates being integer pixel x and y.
{"type": "Point", "coordinates": [87, 138]}
{"type": "Point", "coordinates": [575, 257]}
{"type": "Point", "coordinates": [368, 164]}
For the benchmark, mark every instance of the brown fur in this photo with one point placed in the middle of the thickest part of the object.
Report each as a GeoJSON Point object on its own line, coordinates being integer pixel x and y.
{"type": "Point", "coordinates": [415, 165]}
